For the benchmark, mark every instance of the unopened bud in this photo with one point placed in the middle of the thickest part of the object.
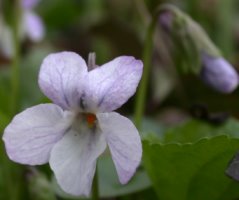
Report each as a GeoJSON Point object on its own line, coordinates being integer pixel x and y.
{"type": "Point", "coordinates": [184, 30]}
{"type": "Point", "coordinates": [165, 20]}
{"type": "Point", "coordinates": [194, 52]}
{"type": "Point", "coordinates": [218, 74]}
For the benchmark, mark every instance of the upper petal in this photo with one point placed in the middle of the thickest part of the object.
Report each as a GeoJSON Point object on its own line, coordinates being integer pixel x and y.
{"type": "Point", "coordinates": [124, 143]}
{"type": "Point", "coordinates": [73, 160]}
{"type": "Point", "coordinates": [112, 84]}
{"type": "Point", "coordinates": [61, 78]}
{"type": "Point", "coordinates": [31, 135]}
{"type": "Point", "coordinates": [33, 26]}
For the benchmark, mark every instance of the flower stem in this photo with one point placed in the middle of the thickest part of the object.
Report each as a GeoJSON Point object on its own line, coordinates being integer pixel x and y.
{"type": "Point", "coordinates": [14, 186]}
{"type": "Point", "coordinates": [95, 188]}
{"type": "Point", "coordinates": [147, 55]}
{"type": "Point", "coordinates": [16, 58]}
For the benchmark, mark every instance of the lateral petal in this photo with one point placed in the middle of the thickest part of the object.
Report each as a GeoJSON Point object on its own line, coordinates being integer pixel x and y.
{"type": "Point", "coordinates": [124, 142]}
{"type": "Point", "coordinates": [32, 133]}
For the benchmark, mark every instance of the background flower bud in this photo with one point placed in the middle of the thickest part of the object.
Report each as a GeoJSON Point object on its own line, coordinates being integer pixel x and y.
{"type": "Point", "coordinates": [218, 73]}
{"type": "Point", "coordinates": [165, 20]}
{"type": "Point", "coordinates": [189, 40]}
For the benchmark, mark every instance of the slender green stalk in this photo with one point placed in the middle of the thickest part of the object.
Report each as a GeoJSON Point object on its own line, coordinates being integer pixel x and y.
{"type": "Point", "coordinates": [16, 58]}
{"type": "Point", "coordinates": [13, 186]}
{"type": "Point", "coordinates": [147, 55]}
{"type": "Point", "coordinates": [225, 15]}
{"type": "Point", "coordinates": [95, 187]}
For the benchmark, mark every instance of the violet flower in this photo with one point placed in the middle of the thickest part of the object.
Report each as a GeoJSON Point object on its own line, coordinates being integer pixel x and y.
{"type": "Point", "coordinates": [219, 74]}
{"type": "Point", "coordinates": [74, 131]}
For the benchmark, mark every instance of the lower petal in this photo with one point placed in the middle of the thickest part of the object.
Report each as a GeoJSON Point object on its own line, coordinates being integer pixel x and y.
{"type": "Point", "coordinates": [31, 135]}
{"type": "Point", "coordinates": [73, 160]}
{"type": "Point", "coordinates": [124, 143]}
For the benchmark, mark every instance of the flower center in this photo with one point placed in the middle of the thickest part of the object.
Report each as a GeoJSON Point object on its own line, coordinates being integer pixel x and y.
{"type": "Point", "coordinates": [90, 118]}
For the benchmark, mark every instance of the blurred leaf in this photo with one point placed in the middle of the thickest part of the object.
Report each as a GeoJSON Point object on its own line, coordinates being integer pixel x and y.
{"type": "Point", "coordinates": [186, 167]}
{"type": "Point", "coordinates": [4, 120]}
{"type": "Point", "coordinates": [5, 91]}
{"type": "Point", "coordinates": [66, 11]}
{"type": "Point", "coordinates": [162, 83]}
{"type": "Point", "coordinates": [194, 130]}
{"type": "Point", "coordinates": [30, 93]}
{"type": "Point", "coordinates": [39, 186]}
{"type": "Point", "coordinates": [85, 13]}
{"type": "Point", "coordinates": [151, 127]}
{"type": "Point", "coordinates": [109, 185]}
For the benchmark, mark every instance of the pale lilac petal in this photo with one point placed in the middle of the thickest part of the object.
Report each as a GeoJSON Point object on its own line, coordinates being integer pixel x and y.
{"type": "Point", "coordinates": [219, 74]}
{"type": "Point", "coordinates": [124, 143]}
{"type": "Point", "coordinates": [61, 78]}
{"type": "Point", "coordinates": [112, 84]}
{"type": "Point", "coordinates": [29, 4]}
{"type": "Point", "coordinates": [31, 135]}
{"type": "Point", "coordinates": [33, 26]}
{"type": "Point", "coordinates": [73, 159]}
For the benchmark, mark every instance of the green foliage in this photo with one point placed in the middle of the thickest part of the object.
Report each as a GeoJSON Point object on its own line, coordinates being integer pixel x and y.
{"type": "Point", "coordinates": [186, 162]}
{"type": "Point", "coordinates": [191, 162]}
{"type": "Point", "coordinates": [193, 130]}
{"type": "Point", "coordinates": [39, 187]}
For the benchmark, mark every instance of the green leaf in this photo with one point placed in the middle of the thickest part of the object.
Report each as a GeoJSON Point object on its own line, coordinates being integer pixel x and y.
{"type": "Point", "coordinates": [190, 162]}
{"type": "Point", "coordinates": [109, 185]}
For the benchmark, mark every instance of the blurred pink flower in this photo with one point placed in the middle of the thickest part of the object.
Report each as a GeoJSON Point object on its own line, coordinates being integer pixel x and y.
{"type": "Point", "coordinates": [31, 26]}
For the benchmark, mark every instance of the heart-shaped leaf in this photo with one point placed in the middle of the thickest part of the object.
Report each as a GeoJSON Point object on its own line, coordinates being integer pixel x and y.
{"type": "Point", "coordinates": [191, 161]}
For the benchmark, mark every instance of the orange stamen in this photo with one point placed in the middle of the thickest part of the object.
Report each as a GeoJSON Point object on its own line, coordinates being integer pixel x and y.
{"type": "Point", "coordinates": [90, 118]}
